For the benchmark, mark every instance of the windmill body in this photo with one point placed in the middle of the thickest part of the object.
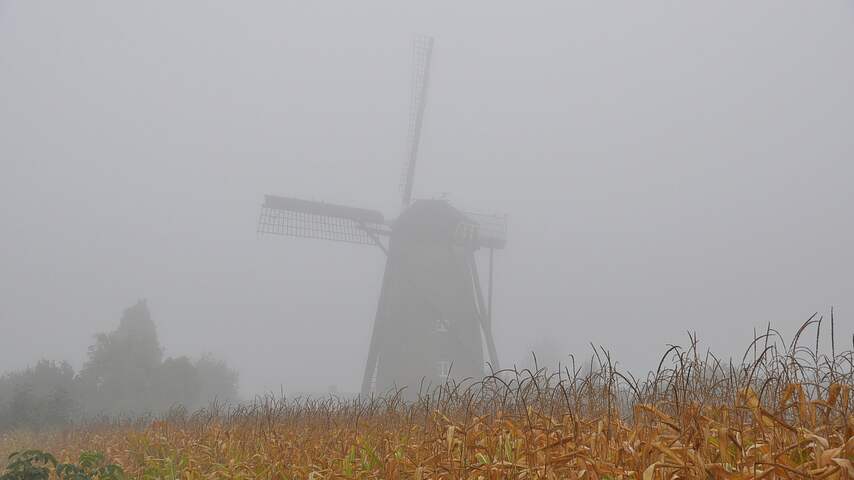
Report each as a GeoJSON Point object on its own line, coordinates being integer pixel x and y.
{"type": "Point", "coordinates": [432, 321]}
{"type": "Point", "coordinates": [428, 318]}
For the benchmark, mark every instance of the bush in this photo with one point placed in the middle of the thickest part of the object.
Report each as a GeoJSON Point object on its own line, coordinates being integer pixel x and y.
{"type": "Point", "coordinates": [38, 465]}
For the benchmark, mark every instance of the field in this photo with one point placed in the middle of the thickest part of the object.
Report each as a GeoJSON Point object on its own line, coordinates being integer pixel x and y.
{"type": "Point", "coordinates": [782, 411]}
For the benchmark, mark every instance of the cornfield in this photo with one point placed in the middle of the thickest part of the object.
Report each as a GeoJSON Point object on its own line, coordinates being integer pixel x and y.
{"type": "Point", "coordinates": [782, 411]}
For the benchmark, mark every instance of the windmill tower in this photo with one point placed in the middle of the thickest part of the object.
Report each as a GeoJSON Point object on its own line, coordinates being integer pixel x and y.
{"type": "Point", "coordinates": [432, 319]}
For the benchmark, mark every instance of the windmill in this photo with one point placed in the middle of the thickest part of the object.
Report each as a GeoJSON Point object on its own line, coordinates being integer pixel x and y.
{"type": "Point", "coordinates": [432, 320]}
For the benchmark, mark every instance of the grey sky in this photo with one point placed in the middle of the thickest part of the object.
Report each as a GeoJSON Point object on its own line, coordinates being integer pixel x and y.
{"type": "Point", "coordinates": [666, 166]}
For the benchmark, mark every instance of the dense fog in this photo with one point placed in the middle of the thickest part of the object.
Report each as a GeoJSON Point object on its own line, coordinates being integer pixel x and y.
{"type": "Point", "coordinates": [665, 168]}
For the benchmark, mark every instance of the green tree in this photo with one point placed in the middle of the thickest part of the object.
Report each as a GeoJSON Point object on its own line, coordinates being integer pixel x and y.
{"type": "Point", "coordinates": [177, 384]}
{"type": "Point", "coordinates": [39, 396]}
{"type": "Point", "coordinates": [216, 380]}
{"type": "Point", "coordinates": [120, 374]}
{"type": "Point", "coordinates": [125, 374]}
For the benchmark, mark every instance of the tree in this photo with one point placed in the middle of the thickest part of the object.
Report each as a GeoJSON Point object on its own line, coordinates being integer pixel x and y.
{"type": "Point", "coordinates": [38, 396]}
{"type": "Point", "coordinates": [216, 380]}
{"type": "Point", "coordinates": [120, 373]}
{"type": "Point", "coordinates": [125, 374]}
{"type": "Point", "coordinates": [177, 384]}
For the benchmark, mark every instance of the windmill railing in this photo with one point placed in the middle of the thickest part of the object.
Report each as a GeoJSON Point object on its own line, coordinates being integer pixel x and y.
{"type": "Point", "coordinates": [488, 230]}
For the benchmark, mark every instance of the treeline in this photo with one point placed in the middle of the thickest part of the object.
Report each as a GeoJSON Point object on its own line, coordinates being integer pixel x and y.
{"type": "Point", "coordinates": [125, 374]}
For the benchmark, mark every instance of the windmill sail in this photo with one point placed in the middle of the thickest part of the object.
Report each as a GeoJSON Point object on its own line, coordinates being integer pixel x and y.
{"type": "Point", "coordinates": [303, 218]}
{"type": "Point", "coordinates": [422, 50]}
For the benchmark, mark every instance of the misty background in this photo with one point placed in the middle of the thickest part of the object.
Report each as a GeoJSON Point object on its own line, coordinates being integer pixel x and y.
{"type": "Point", "coordinates": [665, 167]}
